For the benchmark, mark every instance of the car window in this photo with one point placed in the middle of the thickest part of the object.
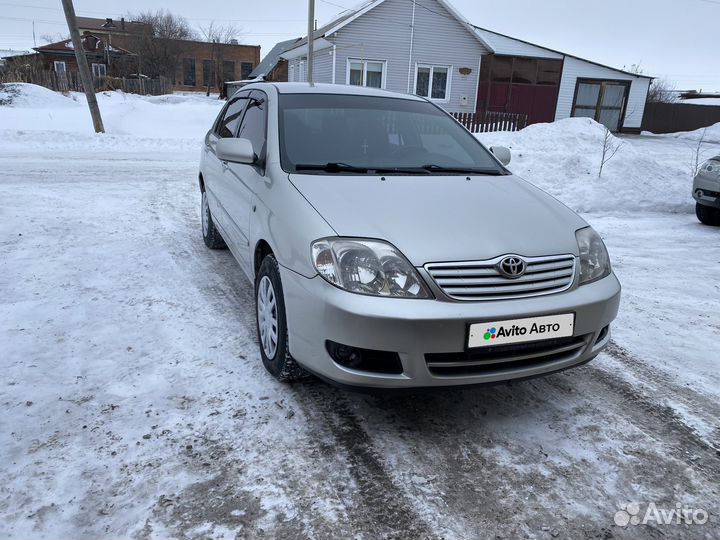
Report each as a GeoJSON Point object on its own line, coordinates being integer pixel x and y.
{"type": "Point", "coordinates": [375, 133]}
{"type": "Point", "coordinates": [227, 126]}
{"type": "Point", "coordinates": [253, 123]}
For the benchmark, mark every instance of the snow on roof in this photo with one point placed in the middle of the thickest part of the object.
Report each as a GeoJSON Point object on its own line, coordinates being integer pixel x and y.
{"type": "Point", "coordinates": [8, 53]}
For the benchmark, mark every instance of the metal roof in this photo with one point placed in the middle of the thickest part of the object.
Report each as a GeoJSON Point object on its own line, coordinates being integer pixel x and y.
{"type": "Point", "coordinates": [272, 58]}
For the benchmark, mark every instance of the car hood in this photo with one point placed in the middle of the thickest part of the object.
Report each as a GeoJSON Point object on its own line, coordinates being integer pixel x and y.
{"type": "Point", "coordinates": [445, 218]}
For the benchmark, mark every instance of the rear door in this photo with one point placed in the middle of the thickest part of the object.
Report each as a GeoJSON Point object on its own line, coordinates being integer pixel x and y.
{"type": "Point", "coordinates": [240, 179]}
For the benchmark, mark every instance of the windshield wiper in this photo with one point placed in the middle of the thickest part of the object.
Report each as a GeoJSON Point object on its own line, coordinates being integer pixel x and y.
{"type": "Point", "coordinates": [330, 167]}
{"type": "Point", "coordinates": [345, 167]}
{"type": "Point", "coordinates": [461, 170]}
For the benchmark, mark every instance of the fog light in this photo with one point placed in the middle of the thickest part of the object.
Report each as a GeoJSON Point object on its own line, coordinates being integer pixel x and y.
{"type": "Point", "coordinates": [364, 359]}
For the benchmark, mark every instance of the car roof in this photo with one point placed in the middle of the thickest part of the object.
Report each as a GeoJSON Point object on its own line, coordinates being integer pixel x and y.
{"type": "Point", "coordinates": [324, 88]}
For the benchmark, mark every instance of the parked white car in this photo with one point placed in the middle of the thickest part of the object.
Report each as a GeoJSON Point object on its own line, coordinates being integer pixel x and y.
{"type": "Point", "coordinates": [706, 192]}
{"type": "Point", "coordinates": [389, 248]}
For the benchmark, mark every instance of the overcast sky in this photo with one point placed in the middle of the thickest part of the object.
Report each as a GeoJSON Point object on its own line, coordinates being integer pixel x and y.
{"type": "Point", "coordinates": [675, 39]}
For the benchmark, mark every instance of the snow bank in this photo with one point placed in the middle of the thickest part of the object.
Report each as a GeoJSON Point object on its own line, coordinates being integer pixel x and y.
{"type": "Point", "coordinates": [24, 95]}
{"type": "Point", "coordinates": [563, 158]}
{"type": "Point", "coordinates": [709, 135]}
{"type": "Point", "coordinates": [38, 117]}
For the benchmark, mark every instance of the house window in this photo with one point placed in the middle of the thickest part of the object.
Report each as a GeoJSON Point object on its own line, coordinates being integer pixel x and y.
{"type": "Point", "coordinates": [99, 70]}
{"type": "Point", "coordinates": [208, 72]}
{"type": "Point", "coordinates": [366, 73]}
{"type": "Point", "coordinates": [228, 70]}
{"type": "Point", "coordinates": [245, 69]}
{"type": "Point", "coordinates": [433, 82]}
{"type": "Point", "coordinates": [59, 67]}
{"type": "Point", "coordinates": [189, 71]}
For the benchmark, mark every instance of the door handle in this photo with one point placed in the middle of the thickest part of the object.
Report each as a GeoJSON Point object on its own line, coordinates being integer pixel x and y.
{"type": "Point", "coordinates": [224, 165]}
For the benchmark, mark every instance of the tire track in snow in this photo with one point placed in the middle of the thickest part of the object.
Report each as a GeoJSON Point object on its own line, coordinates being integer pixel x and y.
{"type": "Point", "coordinates": [654, 380]}
{"type": "Point", "coordinates": [378, 507]}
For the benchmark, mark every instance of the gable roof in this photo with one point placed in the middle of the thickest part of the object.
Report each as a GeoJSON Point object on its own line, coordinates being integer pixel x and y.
{"type": "Point", "coordinates": [66, 46]}
{"type": "Point", "coordinates": [501, 44]}
{"type": "Point", "coordinates": [272, 58]}
{"type": "Point", "coordinates": [346, 18]}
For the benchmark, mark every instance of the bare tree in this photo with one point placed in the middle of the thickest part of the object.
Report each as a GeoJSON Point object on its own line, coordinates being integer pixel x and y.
{"type": "Point", "coordinates": [53, 38]}
{"type": "Point", "coordinates": [662, 91]}
{"type": "Point", "coordinates": [159, 42]}
{"type": "Point", "coordinates": [219, 34]}
{"type": "Point", "coordinates": [610, 147]}
{"type": "Point", "coordinates": [697, 157]}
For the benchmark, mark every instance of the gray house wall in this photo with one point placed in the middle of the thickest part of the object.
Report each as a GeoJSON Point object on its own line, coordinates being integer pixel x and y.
{"type": "Point", "coordinates": [384, 33]}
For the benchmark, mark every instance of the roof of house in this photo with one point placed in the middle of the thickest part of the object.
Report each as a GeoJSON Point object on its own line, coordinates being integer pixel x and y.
{"type": "Point", "coordinates": [350, 15]}
{"type": "Point", "coordinates": [108, 24]}
{"type": "Point", "coordinates": [66, 46]}
{"type": "Point", "coordinates": [272, 58]}
{"type": "Point", "coordinates": [500, 44]}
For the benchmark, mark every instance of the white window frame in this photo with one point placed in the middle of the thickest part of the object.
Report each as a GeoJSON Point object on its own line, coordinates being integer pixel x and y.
{"type": "Point", "coordinates": [291, 73]}
{"type": "Point", "coordinates": [104, 70]}
{"type": "Point", "coordinates": [57, 63]}
{"type": "Point", "coordinates": [301, 72]}
{"type": "Point", "coordinates": [364, 62]}
{"type": "Point", "coordinates": [448, 84]}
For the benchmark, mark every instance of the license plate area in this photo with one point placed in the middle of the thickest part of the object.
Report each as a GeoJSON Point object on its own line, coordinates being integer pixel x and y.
{"type": "Point", "coordinates": [509, 331]}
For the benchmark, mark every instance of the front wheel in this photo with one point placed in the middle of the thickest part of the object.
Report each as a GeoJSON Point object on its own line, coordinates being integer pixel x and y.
{"type": "Point", "coordinates": [272, 324]}
{"type": "Point", "coordinates": [707, 214]}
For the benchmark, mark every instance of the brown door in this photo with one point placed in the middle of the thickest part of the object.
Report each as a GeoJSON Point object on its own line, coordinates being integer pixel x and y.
{"type": "Point", "coordinates": [603, 101]}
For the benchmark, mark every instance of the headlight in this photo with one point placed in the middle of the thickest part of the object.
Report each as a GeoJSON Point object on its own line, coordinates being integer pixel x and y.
{"type": "Point", "coordinates": [711, 166]}
{"type": "Point", "coordinates": [594, 258]}
{"type": "Point", "coordinates": [367, 267]}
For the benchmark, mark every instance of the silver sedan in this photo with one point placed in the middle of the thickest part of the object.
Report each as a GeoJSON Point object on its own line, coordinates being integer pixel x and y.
{"type": "Point", "coordinates": [389, 248]}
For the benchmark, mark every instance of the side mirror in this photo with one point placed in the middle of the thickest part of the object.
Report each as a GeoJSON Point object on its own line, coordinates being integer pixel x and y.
{"type": "Point", "coordinates": [502, 153]}
{"type": "Point", "coordinates": [235, 151]}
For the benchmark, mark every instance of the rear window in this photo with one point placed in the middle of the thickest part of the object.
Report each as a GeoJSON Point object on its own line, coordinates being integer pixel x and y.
{"type": "Point", "coordinates": [373, 132]}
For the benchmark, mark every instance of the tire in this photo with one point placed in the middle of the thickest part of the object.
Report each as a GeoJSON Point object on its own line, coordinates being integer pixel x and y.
{"type": "Point", "coordinates": [269, 309]}
{"type": "Point", "coordinates": [707, 214]}
{"type": "Point", "coordinates": [211, 235]}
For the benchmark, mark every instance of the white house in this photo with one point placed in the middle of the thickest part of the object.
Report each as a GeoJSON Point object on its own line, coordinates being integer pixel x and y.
{"type": "Point", "coordinates": [427, 47]}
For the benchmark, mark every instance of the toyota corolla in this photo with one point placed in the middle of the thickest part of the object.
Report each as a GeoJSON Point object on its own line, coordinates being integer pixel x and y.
{"type": "Point", "coordinates": [389, 248]}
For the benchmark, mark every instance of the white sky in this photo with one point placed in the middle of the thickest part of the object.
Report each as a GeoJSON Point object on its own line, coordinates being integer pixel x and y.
{"type": "Point", "coordinates": [678, 40]}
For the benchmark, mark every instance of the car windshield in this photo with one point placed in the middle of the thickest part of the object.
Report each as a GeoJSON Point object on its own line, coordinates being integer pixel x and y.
{"type": "Point", "coordinates": [336, 134]}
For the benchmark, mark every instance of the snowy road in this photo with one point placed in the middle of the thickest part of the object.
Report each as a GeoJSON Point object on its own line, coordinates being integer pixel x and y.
{"type": "Point", "coordinates": [134, 403]}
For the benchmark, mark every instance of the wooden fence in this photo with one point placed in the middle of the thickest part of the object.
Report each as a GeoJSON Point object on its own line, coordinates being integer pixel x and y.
{"type": "Point", "coordinates": [70, 81]}
{"type": "Point", "coordinates": [672, 117]}
{"type": "Point", "coordinates": [492, 121]}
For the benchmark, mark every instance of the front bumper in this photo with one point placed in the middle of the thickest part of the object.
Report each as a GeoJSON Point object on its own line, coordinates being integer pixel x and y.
{"type": "Point", "coordinates": [317, 311]}
{"type": "Point", "coordinates": [706, 190]}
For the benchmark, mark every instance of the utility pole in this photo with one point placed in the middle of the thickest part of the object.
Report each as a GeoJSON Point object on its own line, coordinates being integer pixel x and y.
{"type": "Point", "coordinates": [83, 68]}
{"type": "Point", "coordinates": [311, 45]}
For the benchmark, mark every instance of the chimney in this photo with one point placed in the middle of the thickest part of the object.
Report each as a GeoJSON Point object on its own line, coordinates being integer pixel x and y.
{"type": "Point", "coordinates": [108, 23]}
{"type": "Point", "coordinates": [122, 23]}
{"type": "Point", "coordinates": [233, 42]}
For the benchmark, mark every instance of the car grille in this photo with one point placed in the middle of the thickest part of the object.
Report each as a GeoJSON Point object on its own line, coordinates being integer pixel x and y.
{"type": "Point", "coordinates": [505, 358]}
{"type": "Point", "coordinates": [481, 280]}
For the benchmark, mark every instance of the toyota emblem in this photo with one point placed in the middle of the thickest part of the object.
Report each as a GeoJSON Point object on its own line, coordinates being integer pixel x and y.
{"type": "Point", "coordinates": [512, 267]}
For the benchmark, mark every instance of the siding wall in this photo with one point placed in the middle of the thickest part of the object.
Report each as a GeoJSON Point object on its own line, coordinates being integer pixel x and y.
{"type": "Point", "coordinates": [574, 69]}
{"type": "Point", "coordinates": [383, 33]}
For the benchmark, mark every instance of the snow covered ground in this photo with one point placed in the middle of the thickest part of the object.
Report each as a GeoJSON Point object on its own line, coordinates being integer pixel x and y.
{"type": "Point", "coordinates": [134, 403]}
